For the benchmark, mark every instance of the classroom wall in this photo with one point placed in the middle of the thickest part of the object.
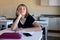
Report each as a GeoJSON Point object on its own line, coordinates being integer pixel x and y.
{"type": "Point", "coordinates": [8, 8]}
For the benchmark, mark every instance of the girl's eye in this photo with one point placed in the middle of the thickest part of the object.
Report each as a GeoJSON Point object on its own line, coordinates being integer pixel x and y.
{"type": "Point", "coordinates": [23, 8]}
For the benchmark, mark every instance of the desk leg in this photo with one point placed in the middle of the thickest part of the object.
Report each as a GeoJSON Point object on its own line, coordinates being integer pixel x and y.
{"type": "Point", "coordinates": [0, 27]}
{"type": "Point", "coordinates": [46, 33]}
{"type": "Point", "coordinates": [6, 25]}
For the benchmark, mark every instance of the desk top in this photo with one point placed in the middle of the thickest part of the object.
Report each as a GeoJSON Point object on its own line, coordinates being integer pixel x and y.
{"type": "Point", "coordinates": [6, 20]}
{"type": "Point", "coordinates": [36, 35]}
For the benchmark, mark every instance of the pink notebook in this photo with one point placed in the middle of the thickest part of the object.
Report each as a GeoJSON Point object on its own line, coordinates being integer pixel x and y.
{"type": "Point", "coordinates": [10, 36]}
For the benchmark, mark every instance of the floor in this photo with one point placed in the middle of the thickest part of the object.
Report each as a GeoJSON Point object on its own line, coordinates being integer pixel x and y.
{"type": "Point", "coordinates": [53, 36]}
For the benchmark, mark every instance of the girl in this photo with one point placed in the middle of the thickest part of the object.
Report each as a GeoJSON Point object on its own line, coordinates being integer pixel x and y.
{"type": "Point", "coordinates": [23, 20]}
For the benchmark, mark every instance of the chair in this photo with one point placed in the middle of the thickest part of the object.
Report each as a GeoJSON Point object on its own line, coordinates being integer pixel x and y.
{"type": "Point", "coordinates": [44, 24]}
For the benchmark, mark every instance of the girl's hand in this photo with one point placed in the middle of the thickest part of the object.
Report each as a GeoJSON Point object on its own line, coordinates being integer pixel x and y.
{"type": "Point", "coordinates": [19, 14]}
{"type": "Point", "coordinates": [18, 29]}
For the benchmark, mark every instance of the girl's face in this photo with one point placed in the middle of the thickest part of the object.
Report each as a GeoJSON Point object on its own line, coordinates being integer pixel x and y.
{"type": "Point", "coordinates": [22, 10]}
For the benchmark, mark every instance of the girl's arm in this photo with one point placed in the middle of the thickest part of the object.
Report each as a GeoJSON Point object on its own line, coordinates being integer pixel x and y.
{"type": "Point", "coordinates": [15, 24]}
{"type": "Point", "coordinates": [36, 27]}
